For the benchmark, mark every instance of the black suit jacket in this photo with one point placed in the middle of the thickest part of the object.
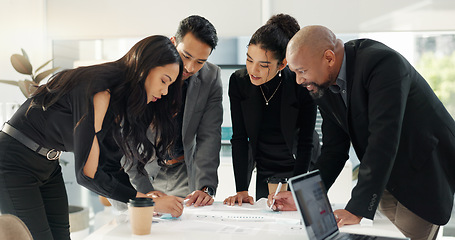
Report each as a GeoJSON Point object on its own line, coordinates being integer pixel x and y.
{"type": "Point", "coordinates": [401, 132]}
{"type": "Point", "coordinates": [298, 116]}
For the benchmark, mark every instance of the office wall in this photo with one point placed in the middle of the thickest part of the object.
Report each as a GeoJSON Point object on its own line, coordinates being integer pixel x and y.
{"type": "Point", "coordinates": [119, 18]}
{"type": "Point", "coordinates": [355, 16]}
{"type": "Point", "coordinates": [34, 24]}
{"type": "Point", "coordinates": [114, 18]}
{"type": "Point", "coordinates": [22, 25]}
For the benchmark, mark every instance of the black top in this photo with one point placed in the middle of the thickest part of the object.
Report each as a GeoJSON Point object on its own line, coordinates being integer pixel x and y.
{"type": "Point", "coordinates": [280, 134]}
{"type": "Point", "coordinates": [60, 127]}
{"type": "Point", "coordinates": [273, 156]}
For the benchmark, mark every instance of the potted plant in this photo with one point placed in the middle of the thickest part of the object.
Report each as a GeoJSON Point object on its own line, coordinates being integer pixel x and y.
{"type": "Point", "coordinates": [21, 64]}
{"type": "Point", "coordinates": [78, 216]}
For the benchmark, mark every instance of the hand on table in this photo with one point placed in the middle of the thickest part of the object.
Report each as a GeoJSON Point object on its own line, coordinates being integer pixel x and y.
{"type": "Point", "coordinates": [199, 198]}
{"type": "Point", "coordinates": [240, 197]}
{"type": "Point", "coordinates": [344, 217]}
{"type": "Point", "coordinates": [169, 204]}
{"type": "Point", "coordinates": [283, 201]}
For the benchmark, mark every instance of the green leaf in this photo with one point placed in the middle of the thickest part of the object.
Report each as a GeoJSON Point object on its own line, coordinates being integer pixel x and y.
{"type": "Point", "coordinates": [21, 64]}
{"type": "Point", "coordinates": [25, 54]}
{"type": "Point", "coordinates": [11, 82]}
{"type": "Point", "coordinates": [43, 65]}
{"type": "Point", "coordinates": [27, 87]}
{"type": "Point", "coordinates": [44, 74]}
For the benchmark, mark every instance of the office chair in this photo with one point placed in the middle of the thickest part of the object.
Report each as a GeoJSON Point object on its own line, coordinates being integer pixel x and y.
{"type": "Point", "coordinates": [12, 228]}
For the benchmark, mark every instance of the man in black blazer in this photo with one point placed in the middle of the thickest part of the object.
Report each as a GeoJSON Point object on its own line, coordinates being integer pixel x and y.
{"type": "Point", "coordinates": [371, 97]}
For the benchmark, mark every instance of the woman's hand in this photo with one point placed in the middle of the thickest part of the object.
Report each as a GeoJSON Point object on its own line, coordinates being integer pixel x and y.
{"type": "Point", "coordinates": [155, 194]}
{"type": "Point", "coordinates": [240, 197]}
{"type": "Point", "coordinates": [164, 203]}
{"type": "Point", "coordinates": [169, 204]}
{"type": "Point", "coordinates": [140, 195]}
{"type": "Point", "coordinates": [283, 201]}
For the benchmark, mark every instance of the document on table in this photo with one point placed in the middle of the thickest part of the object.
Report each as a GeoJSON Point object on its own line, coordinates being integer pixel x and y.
{"type": "Point", "coordinates": [245, 219]}
{"type": "Point", "coordinates": [259, 212]}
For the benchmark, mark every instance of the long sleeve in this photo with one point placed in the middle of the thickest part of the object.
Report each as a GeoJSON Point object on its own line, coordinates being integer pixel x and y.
{"type": "Point", "coordinates": [239, 141]}
{"type": "Point", "coordinates": [306, 122]}
{"type": "Point", "coordinates": [208, 135]}
{"type": "Point", "coordinates": [378, 93]}
{"type": "Point", "coordinates": [387, 88]}
{"type": "Point", "coordinates": [334, 151]}
{"type": "Point", "coordinates": [109, 184]}
{"type": "Point", "coordinates": [142, 183]}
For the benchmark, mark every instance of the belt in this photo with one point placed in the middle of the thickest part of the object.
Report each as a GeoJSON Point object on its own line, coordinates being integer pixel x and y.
{"type": "Point", "coordinates": [175, 160]}
{"type": "Point", "coordinates": [50, 154]}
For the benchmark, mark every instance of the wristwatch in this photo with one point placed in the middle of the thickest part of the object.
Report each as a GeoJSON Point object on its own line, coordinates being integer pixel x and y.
{"type": "Point", "coordinates": [209, 190]}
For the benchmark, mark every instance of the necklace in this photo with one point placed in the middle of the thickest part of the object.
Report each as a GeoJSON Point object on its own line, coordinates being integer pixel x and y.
{"type": "Point", "coordinates": [273, 94]}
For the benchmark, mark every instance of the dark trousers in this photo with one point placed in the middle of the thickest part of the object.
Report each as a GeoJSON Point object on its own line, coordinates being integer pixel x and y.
{"type": "Point", "coordinates": [262, 188]}
{"type": "Point", "coordinates": [32, 188]}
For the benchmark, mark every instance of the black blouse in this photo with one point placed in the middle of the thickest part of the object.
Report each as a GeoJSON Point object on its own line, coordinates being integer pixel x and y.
{"type": "Point", "coordinates": [273, 156]}
{"type": "Point", "coordinates": [286, 124]}
{"type": "Point", "coordinates": [60, 127]}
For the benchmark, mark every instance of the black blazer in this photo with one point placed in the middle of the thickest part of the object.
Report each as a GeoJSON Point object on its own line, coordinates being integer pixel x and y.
{"type": "Point", "coordinates": [401, 132]}
{"type": "Point", "coordinates": [298, 116]}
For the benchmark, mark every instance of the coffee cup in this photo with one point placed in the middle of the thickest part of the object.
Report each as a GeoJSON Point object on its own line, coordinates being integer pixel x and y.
{"type": "Point", "coordinates": [273, 182]}
{"type": "Point", "coordinates": [141, 215]}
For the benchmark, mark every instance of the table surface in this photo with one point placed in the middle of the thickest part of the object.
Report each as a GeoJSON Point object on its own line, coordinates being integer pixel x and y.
{"type": "Point", "coordinates": [233, 222]}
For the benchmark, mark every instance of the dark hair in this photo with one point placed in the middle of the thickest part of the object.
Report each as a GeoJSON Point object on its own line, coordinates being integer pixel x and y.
{"type": "Point", "coordinates": [275, 35]}
{"type": "Point", "coordinates": [200, 27]}
{"type": "Point", "coordinates": [125, 80]}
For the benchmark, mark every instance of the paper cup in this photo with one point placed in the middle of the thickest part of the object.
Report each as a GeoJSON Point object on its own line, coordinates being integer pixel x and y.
{"type": "Point", "coordinates": [273, 184]}
{"type": "Point", "coordinates": [141, 215]}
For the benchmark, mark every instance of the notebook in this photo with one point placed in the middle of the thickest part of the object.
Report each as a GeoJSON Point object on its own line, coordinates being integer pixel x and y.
{"type": "Point", "coordinates": [310, 197]}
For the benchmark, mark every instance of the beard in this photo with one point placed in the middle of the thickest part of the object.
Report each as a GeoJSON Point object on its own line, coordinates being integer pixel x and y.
{"type": "Point", "coordinates": [318, 92]}
{"type": "Point", "coordinates": [320, 89]}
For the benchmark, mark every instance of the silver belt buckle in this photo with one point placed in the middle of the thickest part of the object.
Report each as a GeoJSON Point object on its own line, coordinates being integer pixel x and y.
{"type": "Point", "coordinates": [53, 154]}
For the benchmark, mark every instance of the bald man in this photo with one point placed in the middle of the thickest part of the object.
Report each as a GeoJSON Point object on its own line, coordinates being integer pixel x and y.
{"type": "Point", "coordinates": [371, 97]}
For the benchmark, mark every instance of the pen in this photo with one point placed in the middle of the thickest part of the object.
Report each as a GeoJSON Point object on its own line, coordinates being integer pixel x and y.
{"type": "Point", "coordinates": [185, 201]}
{"type": "Point", "coordinates": [276, 192]}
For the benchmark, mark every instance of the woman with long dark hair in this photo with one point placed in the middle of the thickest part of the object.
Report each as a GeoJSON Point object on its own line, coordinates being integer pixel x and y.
{"type": "Point", "coordinates": [100, 113]}
{"type": "Point", "coordinates": [273, 118]}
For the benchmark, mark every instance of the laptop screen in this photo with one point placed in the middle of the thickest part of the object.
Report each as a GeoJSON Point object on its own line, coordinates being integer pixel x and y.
{"type": "Point", "coordinates": [313, 204]}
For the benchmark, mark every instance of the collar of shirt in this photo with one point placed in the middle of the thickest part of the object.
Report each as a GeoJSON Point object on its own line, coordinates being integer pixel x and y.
{"type": "Point", "coordinates": [341, 78]}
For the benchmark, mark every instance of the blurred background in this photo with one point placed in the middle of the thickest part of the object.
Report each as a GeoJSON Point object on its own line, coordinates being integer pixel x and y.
{"type": "Point", "coordinates": [84, 32]}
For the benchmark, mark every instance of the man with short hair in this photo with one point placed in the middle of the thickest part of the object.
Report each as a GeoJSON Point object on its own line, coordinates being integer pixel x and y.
{"type": "Point", "coordinates": [371, 96]}
{"type": "Point", "coordinates": [191, 172]}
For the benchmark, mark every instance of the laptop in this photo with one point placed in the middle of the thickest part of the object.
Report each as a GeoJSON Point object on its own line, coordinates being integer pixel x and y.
{"type": "Point", "coordinates": [310, 197]}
